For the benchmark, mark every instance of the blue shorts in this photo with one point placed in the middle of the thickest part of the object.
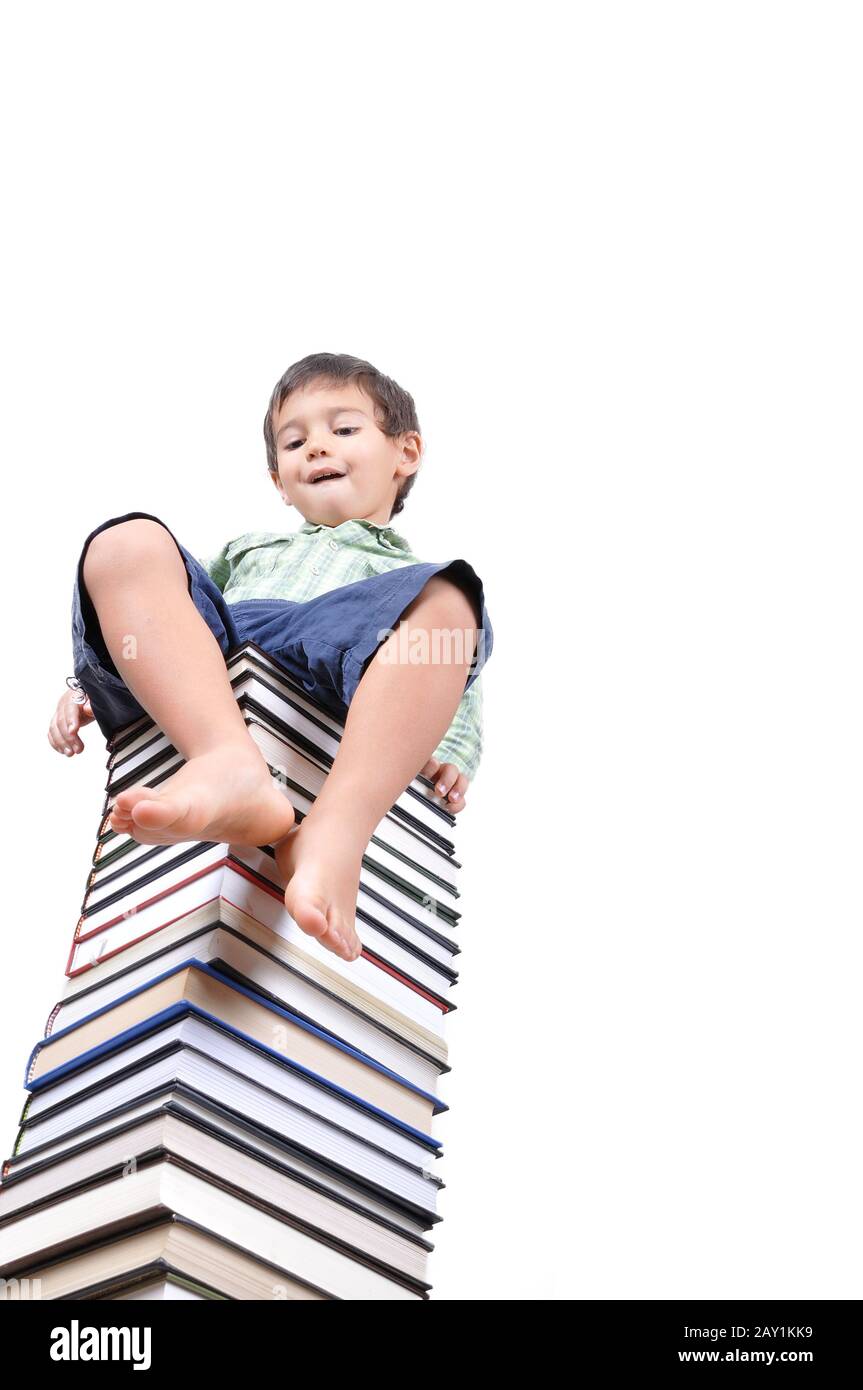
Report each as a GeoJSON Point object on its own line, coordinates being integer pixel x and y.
{"type": "Point", "coordinates": [325, 644]}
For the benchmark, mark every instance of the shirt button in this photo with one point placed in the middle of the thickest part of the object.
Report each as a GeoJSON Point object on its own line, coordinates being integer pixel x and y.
{"type": "Point", "coordinates": [334, 545]}
{"type": "Point", "coordinates": [315, 569]}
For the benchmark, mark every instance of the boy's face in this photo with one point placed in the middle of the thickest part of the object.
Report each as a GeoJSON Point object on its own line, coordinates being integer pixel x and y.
{"type": "Point", "coordinates": [333, 428]}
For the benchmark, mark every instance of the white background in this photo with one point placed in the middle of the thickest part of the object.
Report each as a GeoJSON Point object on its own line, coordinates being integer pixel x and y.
{"type": "Point", "coordinates": [618, 266]}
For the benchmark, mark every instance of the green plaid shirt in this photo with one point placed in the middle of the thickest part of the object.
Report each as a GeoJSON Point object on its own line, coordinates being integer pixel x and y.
{"type": "Point", "coordinates": [316, 558]}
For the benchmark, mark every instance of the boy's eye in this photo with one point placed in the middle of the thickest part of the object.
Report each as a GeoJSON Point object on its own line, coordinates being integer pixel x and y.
{"type": "Point", "coordinates": [351, 429]}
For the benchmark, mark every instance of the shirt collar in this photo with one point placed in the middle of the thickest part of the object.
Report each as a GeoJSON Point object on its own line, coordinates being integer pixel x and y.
{"type": "Point", "coordinates": [392, 536]}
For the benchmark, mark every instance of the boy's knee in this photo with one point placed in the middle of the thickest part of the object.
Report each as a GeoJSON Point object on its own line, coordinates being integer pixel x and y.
{"type": "Point", "coordinates": [453, 602]}
{"type": "Point", "coordinates": [127, 544]}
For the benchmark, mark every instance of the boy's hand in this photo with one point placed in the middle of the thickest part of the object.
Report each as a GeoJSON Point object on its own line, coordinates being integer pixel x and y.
{"type": "Point", "coordinates": [68, 718]}
{"type": "Point", "coordinates": [449, 783]}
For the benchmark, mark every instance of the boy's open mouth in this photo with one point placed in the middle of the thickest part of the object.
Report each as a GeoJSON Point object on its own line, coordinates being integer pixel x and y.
{"type": "Point", "coordinates": [327, 477]}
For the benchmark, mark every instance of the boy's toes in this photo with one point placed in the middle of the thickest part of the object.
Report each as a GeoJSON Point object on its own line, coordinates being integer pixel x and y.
{"type": "Point", "coordinates": [309, 911]}
{"type": "Point", "coordinates": [147, 809]}
{"type": "Point", "coordinates": [127, 811]}
{"type": "Point", "coordinates": [124, 801]}
{"type": "Point", "coordinates": [153, 814]}
{"type": "Point", "coordinates": [351, 946]}
{"type": "Point", "coordinates": [312, 914]}
{"type": "Point", "coordinates": [343, 943]}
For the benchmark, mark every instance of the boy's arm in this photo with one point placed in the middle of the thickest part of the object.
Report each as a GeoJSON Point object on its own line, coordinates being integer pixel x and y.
{"type": "Point", "coordinates": [462, 742]}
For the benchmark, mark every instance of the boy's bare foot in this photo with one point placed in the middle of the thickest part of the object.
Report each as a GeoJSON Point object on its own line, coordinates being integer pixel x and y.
{"type": "Point", "coordinates": [225, 794]}
{"type": "Point", "coordinates": [320, 862]}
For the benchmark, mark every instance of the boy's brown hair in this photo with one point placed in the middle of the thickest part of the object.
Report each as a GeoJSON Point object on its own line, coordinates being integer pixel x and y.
{"type": "Point", "coordinates": [395, 414]}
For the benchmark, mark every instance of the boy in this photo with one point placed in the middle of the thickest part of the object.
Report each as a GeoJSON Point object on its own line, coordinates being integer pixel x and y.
{"type": "Point", "coordinates": [368, 629]}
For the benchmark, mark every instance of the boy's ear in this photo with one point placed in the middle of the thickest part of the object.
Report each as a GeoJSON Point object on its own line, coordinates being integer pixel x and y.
{"type": "Point", "coordinates": [412, 452]}
{"type": "Point", "coordinates": [277, 483]}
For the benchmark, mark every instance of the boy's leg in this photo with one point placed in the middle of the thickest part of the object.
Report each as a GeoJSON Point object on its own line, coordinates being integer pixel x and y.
{"type": "Point", "coordinates": [398, 715]}
{"type": "Point", "coordinates": [172, 663]}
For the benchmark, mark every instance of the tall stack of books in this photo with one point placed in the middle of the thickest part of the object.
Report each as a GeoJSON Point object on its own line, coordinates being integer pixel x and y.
{"type": "Point", "coordinates": [220, 1106]}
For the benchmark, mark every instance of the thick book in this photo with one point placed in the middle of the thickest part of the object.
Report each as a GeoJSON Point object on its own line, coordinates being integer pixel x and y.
{"type": "Point", "coordinates": [312, 1207]}
{"type": "Point", "coordinates": [394, 975]}
{"type": "Point", "coordinates": [170, 1186]}
{"type": "Point", "coordinates": [207, 1093]}
{"type": "Point", "coordinates": [197, 988]}
{"type": "Point", "coordinates": [168, 1260]}
{"type": "Point", "coordinates": [209, 1055]}
{"type": "Point", "coordinates": [256, 957]}
{"type": "Point", "coordinates": [405, 941]}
